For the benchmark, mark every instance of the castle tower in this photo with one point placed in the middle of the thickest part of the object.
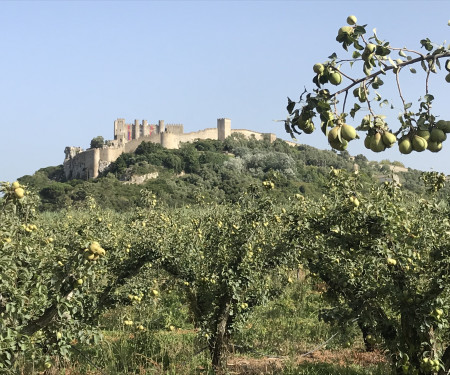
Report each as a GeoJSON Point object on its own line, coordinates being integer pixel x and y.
{"type": "Point", "coordinates": [169, 140]}
{"type": "Point", "coordinates": [120, 131]}
{"type": "Point", "coordinates": [145, 130]}
{"type": "Point", "coordinates": [223, 128]}
{"type": "Point", "coordinates": [161, 126]}
{"type": "Point", "coordinates": [135, 130]}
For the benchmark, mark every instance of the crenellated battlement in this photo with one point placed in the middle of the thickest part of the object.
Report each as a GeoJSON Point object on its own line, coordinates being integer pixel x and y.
{"type": "Point", "coordinates": [87, 164]}
{"type": "Point", "coordinates": [175, 128]}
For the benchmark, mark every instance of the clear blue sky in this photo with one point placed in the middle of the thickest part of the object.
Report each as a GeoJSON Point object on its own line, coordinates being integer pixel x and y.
{"type": "Point", "coordinates": [69, 69]}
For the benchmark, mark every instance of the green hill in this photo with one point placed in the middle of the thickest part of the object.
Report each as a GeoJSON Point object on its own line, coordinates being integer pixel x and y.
{"type": "Point", "coordinates": [210, 170]}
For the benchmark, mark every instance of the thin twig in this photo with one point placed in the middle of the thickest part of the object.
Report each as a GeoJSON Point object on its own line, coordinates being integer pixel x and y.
{"type": "Point", "coordinates": [345, 101]}
{"type": "Point", "coordinates": [367, 99]}
{"type": "Point", "coordinates": [319, 346]}
{"type": "Point", "coordinates": [399, 89]}
{"type": "Point", "coordinates": [373, 75]}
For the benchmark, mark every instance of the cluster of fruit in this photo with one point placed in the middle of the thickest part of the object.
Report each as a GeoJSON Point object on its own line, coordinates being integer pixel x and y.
{"type": "Point", "coordinates": [327, 74]}
{"type": "Point", "coordinates": [138, 298]}
{"type": "Point", "coordinates": [129, 322]}
{"type": "Point", "coordinates": [429, 364]}
{"type": "Point", "coordinates": [29, 228]}
{"type": "Point", "coordinates": [422, 140]}
{"type": "Point", "coordinates": [94, 251]}
{"type": "Point", "coordinates": [6, 240]}
{"type": "Point", "coordinates": [378, 142]}
{"type": "Point", "coordinates": [268, 185]}
{"type": "Point", "coordinates": [340, 135]}
{"type": "Point", "coordinates": [17, 190]}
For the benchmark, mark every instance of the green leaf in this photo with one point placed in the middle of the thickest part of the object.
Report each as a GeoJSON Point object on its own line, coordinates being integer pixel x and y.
{"type": "Point", "coordinates": [356, 108]}
{"type": "Point", "coordinates": [392, 62]}
{"type": "Point", "coordinates": [291, 105]}
{"type": "Point", "coordinates": [359, 30]}
{"type": "Point", "coordinates": [356, 54]}
{"type": "Point", "coordinates": [384, 102]}
{"type": "Point", "coordinates": [333, 56]}
{"type": "Point", "coordinates": [357, 46]}
{"type": "Point", "coordinates": [408, 105]}
{"type": "Point", "coordinates": [428, 98]}
{"type": "Point", "coordinates": [401, 53]}
{"type": "Point", "coordinates": [424, 67]}
{"type": "Point", "coordinates": [412, 70]}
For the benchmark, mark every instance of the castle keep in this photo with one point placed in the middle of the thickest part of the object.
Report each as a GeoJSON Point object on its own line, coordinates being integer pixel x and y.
{"type": "Point", "coordinates": [86, 164]}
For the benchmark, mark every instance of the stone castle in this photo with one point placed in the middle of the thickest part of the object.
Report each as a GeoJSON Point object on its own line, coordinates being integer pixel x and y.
{"type": "Point", "coordinates": [86, 164]}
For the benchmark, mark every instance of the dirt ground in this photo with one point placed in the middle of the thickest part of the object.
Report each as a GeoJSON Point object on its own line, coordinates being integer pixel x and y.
{"type": "Point", "coordinates": [268, 365]}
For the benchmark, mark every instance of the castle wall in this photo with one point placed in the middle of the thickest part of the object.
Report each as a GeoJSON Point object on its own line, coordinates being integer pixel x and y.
{"type": "Point", "coordinates": [131, 146]}
{"type": "Point", "coordinates": [257, 135]}
{"type": "Point", "coordinates": [175, 128]}
{"type": "Point", "coordinates": [210, 133]}
{"type": "Point", "coordinates": [83, 165]}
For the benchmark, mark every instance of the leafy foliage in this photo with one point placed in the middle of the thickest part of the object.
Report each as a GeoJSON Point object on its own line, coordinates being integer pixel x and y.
{"type": "Point", "coordinates": [418, 129]}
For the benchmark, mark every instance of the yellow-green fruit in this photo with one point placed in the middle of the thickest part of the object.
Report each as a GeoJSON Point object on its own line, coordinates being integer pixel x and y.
{"type": "Point", "coordinates": [318, 68]}
{"type": "Point", "coordinates": [19, 192]}
{"type": "Point", "coordinates": [333, 134]}
{"type": "Point", "coordinates": [447, 77]}
{"type": "Point", "coordinates": [437, 135]}
{"type": "Point", "coordinates": [308, 128]}
{"type": "Point", "coordinates": [101, 252]}
{"type": "Point", "coordinates": [94, 247]}
{"type": "Point", "coordinates": [419, 144]}
{"type": "Point", "coordinates": [425, 134]}
{"type": "Point", "coordinates": [340, 146]}
{"type": "Point", "coordinates": [354, 201]}
{"type": "Point", "coordinates": [351, 20]}
{"type": "Point", "coordinates": [15, 185]}
{"type": "Point", "coordinates": [391, 261]}
{"type": "Point", "coordinates": [345, 30]}
{"type": "Point", "coordinates": [434, 146]}
{"type": "Point", "coordinates": [335, 78]}
{"type": "Point", "coordinates": [89, 256]}
{"type": "Point", "coordinates": [348, 132]}
{"type": "Point", "coordinates": [389, 139]}
{"type": "Point", "coordinates": [370, 48]}
{"type": "Point", "coordinates": [377, 144]}
{"type": "Point", "coordinates": [368, 141]}
{"type": "Point", "coordinates": [443, 125]}
{"type": "Point", "coordinates": [80, 281]}
{"type": "Point", "coordinates": [405, 146]}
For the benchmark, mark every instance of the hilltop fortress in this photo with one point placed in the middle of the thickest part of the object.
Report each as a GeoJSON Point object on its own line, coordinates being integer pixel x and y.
{"type": "Point", "coordinates": [86, 164]}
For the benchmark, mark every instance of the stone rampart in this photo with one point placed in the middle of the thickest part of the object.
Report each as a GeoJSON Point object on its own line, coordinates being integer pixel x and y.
{"type": "Point", "coordinates": [250, 133]}
{"type": "Point", "coordinates": [83, 165]}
